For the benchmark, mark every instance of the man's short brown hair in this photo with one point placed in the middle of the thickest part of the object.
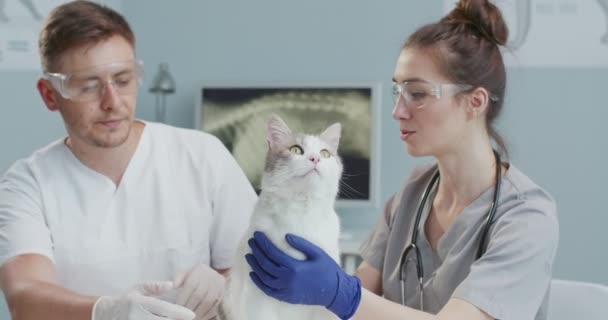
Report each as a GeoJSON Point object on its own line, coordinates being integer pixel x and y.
{"type": "Point", "coordinates": [79, 23]}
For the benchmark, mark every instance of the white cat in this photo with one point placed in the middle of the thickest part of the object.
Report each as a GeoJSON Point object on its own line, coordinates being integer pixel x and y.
{"type": "Point", "coordinates": [299, 187]}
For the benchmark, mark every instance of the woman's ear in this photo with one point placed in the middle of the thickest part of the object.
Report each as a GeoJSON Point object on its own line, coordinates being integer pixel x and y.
{"type": "Point", "coordinates": [47, 94]}
{"type": "Point", "coordinates": [478, 102]}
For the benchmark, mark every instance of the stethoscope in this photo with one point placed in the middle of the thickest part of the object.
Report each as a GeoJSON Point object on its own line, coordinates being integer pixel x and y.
{"type": "Point", "coordinates": [416, 228]}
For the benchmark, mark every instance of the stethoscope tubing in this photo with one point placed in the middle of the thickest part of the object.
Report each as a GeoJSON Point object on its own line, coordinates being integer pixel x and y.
{"type": "Point", "coordinates": [416, 228]}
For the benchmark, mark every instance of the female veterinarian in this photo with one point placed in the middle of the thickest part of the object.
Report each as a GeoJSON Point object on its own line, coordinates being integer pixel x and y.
{"type": "Point", "coordinates": [467, 237]}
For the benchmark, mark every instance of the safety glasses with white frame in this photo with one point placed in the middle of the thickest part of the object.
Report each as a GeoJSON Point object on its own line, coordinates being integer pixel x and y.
{"type": "Point", "coordinates": [417, 94]}
{"type": "Point", "coordinates": [89, 84]}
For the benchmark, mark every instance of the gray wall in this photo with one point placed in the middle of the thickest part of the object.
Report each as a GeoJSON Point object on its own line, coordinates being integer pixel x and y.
{"type": "Point", "coordinates": [552, 119]}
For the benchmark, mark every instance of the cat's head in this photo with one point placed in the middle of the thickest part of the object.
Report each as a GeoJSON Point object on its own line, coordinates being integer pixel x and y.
{"type": "Point", "coordinates": [302, 164]}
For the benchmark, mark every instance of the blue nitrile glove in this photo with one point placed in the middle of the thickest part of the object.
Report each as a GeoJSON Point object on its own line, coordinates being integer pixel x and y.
{"type": "Point", "coordinates": [318, 280]}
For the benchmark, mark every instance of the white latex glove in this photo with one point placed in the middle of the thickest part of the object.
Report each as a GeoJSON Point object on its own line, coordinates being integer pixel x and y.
{"type": "Point", "coordinates": [200, 290]}
{"type": "Point", "coordinates": [139, 304]}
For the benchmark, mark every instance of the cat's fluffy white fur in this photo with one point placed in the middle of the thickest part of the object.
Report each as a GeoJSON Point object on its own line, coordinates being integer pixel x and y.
{"type": "Point", "coordinates": [294, 199]}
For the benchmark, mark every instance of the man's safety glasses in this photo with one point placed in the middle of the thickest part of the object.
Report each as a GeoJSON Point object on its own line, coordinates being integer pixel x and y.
{"type": "Point", "coordinates": [90, 84]}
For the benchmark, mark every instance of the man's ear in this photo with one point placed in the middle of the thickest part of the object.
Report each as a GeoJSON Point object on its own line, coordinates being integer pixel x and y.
{"type": "Point", "coordinates": [47, 94]}
{"type": "Point", "coordinates": [478, 101]}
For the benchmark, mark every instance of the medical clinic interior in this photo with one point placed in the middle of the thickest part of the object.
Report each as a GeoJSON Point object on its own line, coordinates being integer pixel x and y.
{"type": "Point", "coordinates": [129, 127]}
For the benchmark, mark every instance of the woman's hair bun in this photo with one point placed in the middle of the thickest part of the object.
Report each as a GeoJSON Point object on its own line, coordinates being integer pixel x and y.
{"type": "Point", "coordinates": [480, 16]}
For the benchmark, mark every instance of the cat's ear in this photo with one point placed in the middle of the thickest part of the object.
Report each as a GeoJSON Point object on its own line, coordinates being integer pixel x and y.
{"type": "Point", "coordinates": [331, 136]}
{"type": "Point", "coordinates": [277, 133]}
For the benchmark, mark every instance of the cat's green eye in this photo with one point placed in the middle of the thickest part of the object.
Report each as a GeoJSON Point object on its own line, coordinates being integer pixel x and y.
{"type": "Point", "coordinates": [296, 149]}
{"type": "Point", "coordinates": [325, 153]}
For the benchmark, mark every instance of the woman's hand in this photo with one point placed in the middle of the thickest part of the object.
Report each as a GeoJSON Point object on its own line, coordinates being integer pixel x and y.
{"type": "Point", "coordinates": [317, 280]}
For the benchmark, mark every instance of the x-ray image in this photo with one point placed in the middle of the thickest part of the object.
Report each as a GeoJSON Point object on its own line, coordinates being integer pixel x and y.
{"type": "Point", "coordinates": [238, 117]}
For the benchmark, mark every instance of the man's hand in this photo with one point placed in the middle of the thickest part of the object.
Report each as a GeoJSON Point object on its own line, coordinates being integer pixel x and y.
{"type": "Point", "coordinates": [200, 290]}
{"type": "Point", "coordinates": [140, 303]}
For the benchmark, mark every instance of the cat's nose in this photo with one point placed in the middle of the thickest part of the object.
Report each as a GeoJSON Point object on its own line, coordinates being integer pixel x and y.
{"type": "Point", "coordinates": [314, 158]}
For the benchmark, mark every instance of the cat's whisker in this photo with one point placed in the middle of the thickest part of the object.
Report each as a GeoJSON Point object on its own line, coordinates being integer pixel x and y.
{"type": "Point", "coordinates": [350, 189]}
{"type": "Point", "coordinates": [345, 184]}
{"type": "Point", "coordinates": [353, 175]}
{"type": "Point", "coordinates": [347, 194]}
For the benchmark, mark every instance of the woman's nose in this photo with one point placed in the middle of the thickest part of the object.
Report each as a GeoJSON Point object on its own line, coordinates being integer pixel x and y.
{"type": "Point", "coordinates": [400, 110]}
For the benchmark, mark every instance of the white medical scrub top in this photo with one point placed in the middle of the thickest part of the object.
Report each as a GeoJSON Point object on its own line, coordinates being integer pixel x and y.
{"type": "Point", "coordinates": [183, 200]}
{"type": "Point", "coordinates": [512, 278]}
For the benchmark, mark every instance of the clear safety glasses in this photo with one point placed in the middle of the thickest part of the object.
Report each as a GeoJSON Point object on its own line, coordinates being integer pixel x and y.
{"type": "Point", "coordinates": [89, 84]}
{"type": "Point", "coordinates": [417, 94]}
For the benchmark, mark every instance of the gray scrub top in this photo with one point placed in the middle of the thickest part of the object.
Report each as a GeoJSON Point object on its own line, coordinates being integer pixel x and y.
{"type": "Point", "coordinates": [512, 278]}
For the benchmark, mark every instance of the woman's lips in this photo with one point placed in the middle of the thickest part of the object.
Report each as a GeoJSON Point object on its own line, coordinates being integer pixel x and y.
{"type": "Point", "coordinates": [405, 134]}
